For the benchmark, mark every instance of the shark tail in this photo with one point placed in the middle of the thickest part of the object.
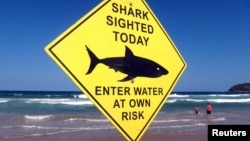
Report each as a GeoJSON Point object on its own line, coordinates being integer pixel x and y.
{"type": "Point", "coordinates": [93, 60]}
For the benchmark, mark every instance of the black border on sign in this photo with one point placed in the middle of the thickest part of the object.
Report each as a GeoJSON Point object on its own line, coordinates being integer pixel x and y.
{"type": "Point", "coordinates": [168, 92]}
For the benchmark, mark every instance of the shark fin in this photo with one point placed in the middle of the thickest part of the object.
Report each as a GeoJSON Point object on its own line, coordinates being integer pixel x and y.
{"type": "Point", "coordinates": [128, 53]}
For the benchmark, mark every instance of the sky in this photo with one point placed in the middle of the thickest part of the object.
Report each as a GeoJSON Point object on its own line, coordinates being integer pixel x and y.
{"type": "Point", "coordinates": [213, 37]}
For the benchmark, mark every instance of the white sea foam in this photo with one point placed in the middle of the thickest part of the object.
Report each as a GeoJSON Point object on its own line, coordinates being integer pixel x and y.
{"type": "Point", "coordinates": [193, 100]}
{"type": "Point", "coordinates": [17, 94]}
{"type": "Point", "coordinates": [218, 100]}
{"type": "Point", "coordinates": [97, 120]}
{"type": "Point", "coordinates": [173, 120]}
{"type": "Point", "coordinates": [76, 119]}
{"type": "Point", "coordinates": [37, 117]}
{"type": "Point", "coordinates": [58, 130]}
{"type": "Point", "coordinates": [70, 102]}
{"type": "Point", "coordinates": [87, 120]}
{"type": "Point", "coordinates": [170, 101]}
{"type": "Point", "coordinates": [219, 119]}
{"type": "Point", "coordinates": [176, 95]}
{"type": "Point", "coordinates": [245, 100]}
{"type": "Point", "coordinates": [229, 95]}
{"type": "Point", "coordinates": [60, 101]}
{"type": "Point", "coordinates": [29, 127]}
{"type": "Point", "coordinates": [178, 126]}
{"type": "Point", "coordinates": [4, 101]}
{"type": "Point", "coordinates": [81, 96]}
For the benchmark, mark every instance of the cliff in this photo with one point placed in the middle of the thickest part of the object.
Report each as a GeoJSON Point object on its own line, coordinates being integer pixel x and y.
{"type": "Point", "coordinates": [240, 87]}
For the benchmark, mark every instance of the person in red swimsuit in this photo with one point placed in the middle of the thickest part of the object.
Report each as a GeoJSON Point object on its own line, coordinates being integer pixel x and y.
{"type": "Point", "coordinates": [209, 108]}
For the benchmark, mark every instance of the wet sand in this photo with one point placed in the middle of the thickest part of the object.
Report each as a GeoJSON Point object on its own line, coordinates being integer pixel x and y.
{"type": "Point", "coordinates": [146, 137]}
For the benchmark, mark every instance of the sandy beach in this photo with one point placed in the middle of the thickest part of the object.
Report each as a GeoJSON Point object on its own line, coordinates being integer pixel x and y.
{"type": "Point", "coordinates": [146, 137]}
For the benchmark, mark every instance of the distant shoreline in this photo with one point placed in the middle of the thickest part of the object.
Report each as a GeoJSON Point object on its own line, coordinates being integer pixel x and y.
{"type": "Point", "coordinates": [242, 87]}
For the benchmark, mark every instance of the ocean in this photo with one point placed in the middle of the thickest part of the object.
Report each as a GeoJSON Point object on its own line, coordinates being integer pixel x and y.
{"type": "Point", "coordinates": [45, 113]}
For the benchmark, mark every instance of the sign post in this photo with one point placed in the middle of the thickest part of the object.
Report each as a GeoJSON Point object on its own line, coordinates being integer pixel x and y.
{"type": "Point", "coordinates": [123, 60]}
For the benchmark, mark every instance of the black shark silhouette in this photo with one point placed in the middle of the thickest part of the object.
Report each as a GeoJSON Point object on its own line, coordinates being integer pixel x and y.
{"type": "Point", "coordinates": [131, 65]}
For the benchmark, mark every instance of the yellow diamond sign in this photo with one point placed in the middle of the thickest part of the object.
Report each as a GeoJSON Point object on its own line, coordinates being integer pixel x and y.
{"type": "Point", "coordinates": [121, 57]}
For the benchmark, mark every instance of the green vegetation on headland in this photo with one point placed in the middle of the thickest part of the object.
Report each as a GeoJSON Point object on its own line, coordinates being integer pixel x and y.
{"type": "Point", "coordinates": [243, 87]}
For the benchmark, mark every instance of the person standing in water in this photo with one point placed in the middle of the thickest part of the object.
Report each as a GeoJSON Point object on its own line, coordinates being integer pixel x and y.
{"type": "Point", "coordinates": [209, 108]}
{"type": "Point", "coordinates": [197, 110]}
